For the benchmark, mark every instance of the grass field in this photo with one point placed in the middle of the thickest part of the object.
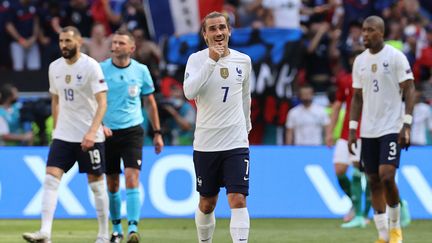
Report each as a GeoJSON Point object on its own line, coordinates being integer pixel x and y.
{"type": "Point", "coordinates": [183, 230]}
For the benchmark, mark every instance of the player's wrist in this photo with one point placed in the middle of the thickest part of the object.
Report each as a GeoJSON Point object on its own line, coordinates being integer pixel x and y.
{"type": "Point", "coordinates": [407, 119]}
{"type": "Point", "coordinates": [157, 132]}
{"type": "Point", "coordinates": [353, 125]}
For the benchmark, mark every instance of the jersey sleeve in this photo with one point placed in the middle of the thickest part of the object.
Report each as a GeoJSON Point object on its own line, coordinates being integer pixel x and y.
{"type": "Point", "coordinates": [97, 81]}
{"type": "Point", "coordinates": [52, 87]}
{"type": "Point", "coordinates": [357, 82]}
{"type": "Point", "coordinates": [403, 69]}
{"type": "Point", "coordinates": [197, 74]}
{"type": "Point", "coordinates": [148, 86]}
{"type": "Point", "coordinates": [247, 96]}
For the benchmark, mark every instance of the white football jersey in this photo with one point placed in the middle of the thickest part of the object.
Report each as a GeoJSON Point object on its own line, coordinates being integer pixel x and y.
{"type": "Point", "coordinates": [222, 95]}
{"type": "Point", "coordinates": [76, 86]}
{"type": "Point", "coordinates": [422, 123]}
{"type": "Point", "coordinates": [307, 124]}
{"type": "Point", "coordinates": [379, 76]}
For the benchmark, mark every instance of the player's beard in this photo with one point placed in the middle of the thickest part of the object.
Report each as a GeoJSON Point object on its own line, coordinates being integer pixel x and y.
{"type": "Point", "coordinates": [69, 53]}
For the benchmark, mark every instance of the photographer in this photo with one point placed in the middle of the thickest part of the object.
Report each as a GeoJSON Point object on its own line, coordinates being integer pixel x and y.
{"type": "Point", "coordinates": [177, 117]}
{"type": "Point", "coordinates": [12, 130]}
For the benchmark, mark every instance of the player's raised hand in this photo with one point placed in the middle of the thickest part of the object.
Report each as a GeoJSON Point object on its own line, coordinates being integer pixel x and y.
{"type": "Point", "coordinates": [352, 141]}
{"type": "Point", "coordinates": [404, 136]}
{"type": "Point", "coordinates": [216, 51]}
{"type": "Point", "coordinates": [88, 141]}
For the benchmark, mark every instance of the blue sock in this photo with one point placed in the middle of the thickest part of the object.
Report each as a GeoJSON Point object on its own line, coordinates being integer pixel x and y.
{"type": "Point", "coordinates": [133, 208]}
{"type": "Point", "coordinates": [115, 211]}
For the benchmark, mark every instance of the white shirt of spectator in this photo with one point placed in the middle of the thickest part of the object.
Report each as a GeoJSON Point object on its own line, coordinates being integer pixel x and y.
{"type": "Point", "coordinates": [222, 95]}
{"type": "Point", "coordinates": [422, 123]}
{"type": "Point", "coordinates": [76, 86]}
{"type": "Point", "coordinates": [286, 13]}
{"type": "Point", "coordinates": [379, 76]}
{"type": "Point", "coordinates": [307, 124]}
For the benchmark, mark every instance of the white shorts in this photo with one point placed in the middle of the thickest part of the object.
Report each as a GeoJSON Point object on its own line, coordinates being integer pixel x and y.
{"type": "Point", "coordinates": [341, 155]}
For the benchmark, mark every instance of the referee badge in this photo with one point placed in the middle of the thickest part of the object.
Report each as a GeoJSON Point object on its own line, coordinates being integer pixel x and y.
{"type": "Point", "coordinates": [374, 68]}
{"type": "Point", "coordinates": [224, 73]}
{"type": "Point", "coordinates": [133, 90]}
{"type": "Point", "coordinates": [68, 78]}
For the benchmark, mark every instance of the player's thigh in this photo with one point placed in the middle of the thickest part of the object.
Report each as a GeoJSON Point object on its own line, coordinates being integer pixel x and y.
{"type": "Point", "coordinates": [390, 150]}
{"type": "Point", "coordinates": [341, 153]}
{"type": "Point", "coordinates": [236, 166]}
{"type": "Point", "coordinates": [208, 172]}
{"type": "Point", "coordinates": [370, 155]}
{"type": "Point", "coordinates": [131, 149]}
{"type": "Point", "coordinates": [93, 160]}
{"type": "Point", "coordinates": [62, 154]}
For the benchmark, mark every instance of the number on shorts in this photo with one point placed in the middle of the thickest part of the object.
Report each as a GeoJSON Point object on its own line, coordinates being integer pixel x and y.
{"type": "Point", "coordinates": [247, 166]}
{"type": "Point", "coordinates": [95, 156]}
{"type": "Point", "coordinates": [392, 151]}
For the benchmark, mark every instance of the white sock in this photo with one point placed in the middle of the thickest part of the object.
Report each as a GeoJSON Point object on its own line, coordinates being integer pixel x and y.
{"type": "Point", "coordinates": [239, 225]}
{"type": "Point", "coordinates": [49, 203]}
{"type": "Point", "coordinates": [394, 216]}
{"type": "Point", "coordinates": [101, 204]}
{"type": "Point", "coordinates": [381, 223]}
{"type": "Point", "coordinates": [205, 224]}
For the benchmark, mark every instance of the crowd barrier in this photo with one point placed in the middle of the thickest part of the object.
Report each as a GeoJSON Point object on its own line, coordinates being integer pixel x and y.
{"type": "Point", "coordinates": [284, 182]}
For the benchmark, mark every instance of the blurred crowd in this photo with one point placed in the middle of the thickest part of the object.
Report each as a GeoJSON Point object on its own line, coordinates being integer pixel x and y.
{"type": "Point", "coordinates": [331, 36]}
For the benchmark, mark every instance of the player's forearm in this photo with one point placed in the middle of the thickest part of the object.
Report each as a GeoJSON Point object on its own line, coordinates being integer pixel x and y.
{"type": "Point", "coordinates": [356, 105]}
{"type": "Point", "coordinates": [54, 109]}
{"type": "Point", "coordinates": [193, 83]}
{"type": "Point", "coordinates": [409, 96]}
{"type": "Point", "coordinates": [289, 136]}
{"type": "Point", "coordinates": [100, 112]}
{"type": "Point", "coordinates": [152, 111]}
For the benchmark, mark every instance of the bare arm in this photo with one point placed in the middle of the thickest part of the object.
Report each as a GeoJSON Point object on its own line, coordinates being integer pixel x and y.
{"type": "Point", "coordinates": [54, 108]}
{"type": "Point", "coordinates": [408, 92]}
{"type": "Point", "coordinates": [90, 136]}
{"type": "Point", "coordinates": [152, 110]}
{"type": "Point", "coordinates": [289, 136]}
{"type": "Point", "coordinates": [356, 108]}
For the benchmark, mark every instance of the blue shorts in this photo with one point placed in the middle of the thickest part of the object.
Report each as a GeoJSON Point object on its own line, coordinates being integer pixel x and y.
{"type": "Point", "coordinates": [379, 151]}
{"type": "Point", "coordinates": [126, 144]}
{"type": "Point", "coordinates": [229, 169]}
{"type": "Point", "coordinates": [64, 155]}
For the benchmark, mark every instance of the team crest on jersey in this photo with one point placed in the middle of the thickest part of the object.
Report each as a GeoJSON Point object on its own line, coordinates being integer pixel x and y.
{"type": "Point", "coordinates": [374, 68]}
{"type": "Point", "coordinates": [68, 78]}
{"type": "Point", "coordinates": [386, 66]}
{"type": "Point", "coordinates": [224, 73]}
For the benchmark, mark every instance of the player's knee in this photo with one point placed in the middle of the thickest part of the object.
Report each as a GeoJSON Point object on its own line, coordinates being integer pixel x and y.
{"type": "Point", "coordinates": [388, 179]}
{"type": "Point", "coordinates": [206, 207]}
{"type": "Point", "coordinates": [237, 200]}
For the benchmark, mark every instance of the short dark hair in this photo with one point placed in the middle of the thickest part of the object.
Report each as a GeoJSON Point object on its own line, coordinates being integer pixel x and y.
{"type": "Point", "coordinates": [125, 32]}
{"type": "Point", "coordinates": [73, 29]}
{"type": "Point", "coordinates": [6, 92]}
{"type": "Point", "coordinates": [212, 15]}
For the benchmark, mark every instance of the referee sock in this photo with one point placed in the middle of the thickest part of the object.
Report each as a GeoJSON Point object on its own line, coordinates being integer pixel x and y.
{"type": "Point", "coordinates": [205, 224]}
{"type": "Point", "coordinates": [101, 205]}
{"type": "Point", "coordinates": [133, 208]}
{"type": "Point", "coordinates": [239, 225]}
{"type": "Point", "coordinates": [49, 203]}
{"type": "Point", "coordinates": [381, 224]}
{"type": "Point", "coordinates": [115, 211]}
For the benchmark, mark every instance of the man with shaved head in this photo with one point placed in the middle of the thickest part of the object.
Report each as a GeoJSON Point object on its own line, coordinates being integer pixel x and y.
{"type": "Point", "coordinates": [381, 76]}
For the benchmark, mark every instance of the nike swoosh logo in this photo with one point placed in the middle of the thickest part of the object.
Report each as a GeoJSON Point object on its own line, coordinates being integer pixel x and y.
{"type": "Point", "coordinates": [391, 158]}
{"type": "Point", "coordinates": [242, 239]}
{"type": "Point", "coordinates": [246, 178]}
{"type": "Point", "coordinates": [96, 167]}
{"type": "Point", "coordinates": [206, 240]}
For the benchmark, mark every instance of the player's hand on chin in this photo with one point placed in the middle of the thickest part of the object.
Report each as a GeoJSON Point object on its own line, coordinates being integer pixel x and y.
{"type": "Point", "coordinates": [88, 141]}
{"type": "Point", "coordinates": [216, 51]}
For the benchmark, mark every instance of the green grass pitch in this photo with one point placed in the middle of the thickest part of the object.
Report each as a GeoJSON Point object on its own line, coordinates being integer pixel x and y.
{"type": "Point", "coordinates": [183, 230]}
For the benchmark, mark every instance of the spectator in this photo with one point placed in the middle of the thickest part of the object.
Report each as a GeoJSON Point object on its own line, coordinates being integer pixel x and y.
{"type": "Point", "coordinates": [180, 122]}
{"type": "Point", "coordinates": [134, 17]}
{"type": "Point", "coordinates": [98, 46]}
{"type": "Point", "coordinates": [307, 122]}
{"type": "Point", "coordinates": [147, 52]}
{"type": "Point", "coordinates": [77, 14]}
{"type": "Point", "coordinates": [422, 121]}
{"type": "Point", "coordinates": [12, 131]}
{"type": "Point", "coordinates": [23, 27]}
{"type": "Point", "coordinates": [5, 61]}
{"type": "Point", "coordinates": [48, 36]}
